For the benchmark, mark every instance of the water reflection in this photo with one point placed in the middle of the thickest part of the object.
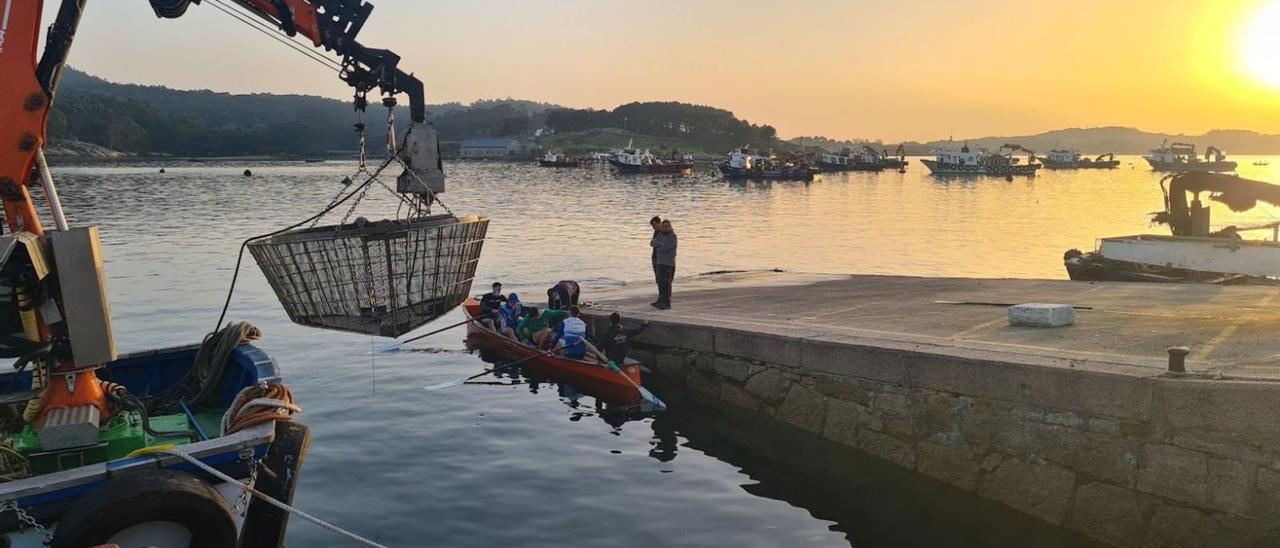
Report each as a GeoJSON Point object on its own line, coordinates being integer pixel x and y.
{"type": "Point", "coordinates": [874, 504]}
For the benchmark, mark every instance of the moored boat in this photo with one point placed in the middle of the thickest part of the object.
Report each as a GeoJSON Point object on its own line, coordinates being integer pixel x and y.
{"type": "Point", "coordinates": [847, 160]}
{"type": "Point", "coordinates": [633, 160]}
{"type": "Point", "coordinates": [1194, 252]}
{"type": "Point", "coordinates": [968, 161]}
{"type": "Point", "coordinates": [589, 377]}
{"type": "Point", "coordinates": [1182, 157]}
{"type": "Point", "coordinates": [555, 158]}
{"type": "Point", "coordinates": [1071, 159]}
{"type": "Point", "coordinates": [742, 164]}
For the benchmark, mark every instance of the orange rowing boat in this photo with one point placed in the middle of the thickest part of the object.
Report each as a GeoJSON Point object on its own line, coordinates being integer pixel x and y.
{"type": "Point", "coordinates": [586, 376]}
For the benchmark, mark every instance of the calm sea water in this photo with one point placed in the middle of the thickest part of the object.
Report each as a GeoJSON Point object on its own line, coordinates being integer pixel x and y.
{"type": "Point", "coordinates": [519, 465]}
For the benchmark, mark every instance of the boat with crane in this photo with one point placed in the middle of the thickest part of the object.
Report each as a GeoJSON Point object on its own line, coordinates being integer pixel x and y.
{"type": "Point", "coordinates": [1072, 159]}
{"type": "Point", "coordinates": [633, 160]}
{"type": "Point", "coordinates": [1194, 252]}
{"type": "Point", "coordinates": [1182, 157]}
{"type": "Point", "coordinates": [147, 448]}
{"type": "Point", "coordinates": [744, 164]}
{"type": "Point", "coordinates": [968, 161]}
{"type": "Point", "coordinates": [848, 160]}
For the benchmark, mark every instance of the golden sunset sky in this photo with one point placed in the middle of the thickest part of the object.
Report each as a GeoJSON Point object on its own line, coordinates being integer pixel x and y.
{"type": "Point", "coordinates": [895, 70]}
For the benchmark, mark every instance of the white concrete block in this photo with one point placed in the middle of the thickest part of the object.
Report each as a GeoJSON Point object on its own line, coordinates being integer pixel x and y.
{"type": "Point", "coordinates": [1042, 315]}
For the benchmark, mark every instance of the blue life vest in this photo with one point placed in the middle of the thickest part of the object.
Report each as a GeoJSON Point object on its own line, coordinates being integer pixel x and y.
{"type": "Point", "coordinates": [573, 334]}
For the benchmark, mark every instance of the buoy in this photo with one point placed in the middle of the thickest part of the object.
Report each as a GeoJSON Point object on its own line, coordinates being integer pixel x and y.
{"type": "Point", "coordinates": [161, 170]}
{"type": "Point", "coordinates": [248, 173]}
{"type": "Point", "coordinates": [1008, 178]}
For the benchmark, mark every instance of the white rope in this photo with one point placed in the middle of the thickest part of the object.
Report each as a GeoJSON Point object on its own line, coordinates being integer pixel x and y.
{"type": "Point", "coordinates": [263, 496]}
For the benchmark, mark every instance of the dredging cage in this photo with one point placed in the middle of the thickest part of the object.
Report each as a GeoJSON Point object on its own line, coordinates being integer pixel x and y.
{"type": "Point", "coordinates": [382, 278]}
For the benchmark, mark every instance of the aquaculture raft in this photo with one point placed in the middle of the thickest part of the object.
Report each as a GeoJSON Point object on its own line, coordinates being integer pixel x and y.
{"type": "Point", "coordinates": [383, 278]}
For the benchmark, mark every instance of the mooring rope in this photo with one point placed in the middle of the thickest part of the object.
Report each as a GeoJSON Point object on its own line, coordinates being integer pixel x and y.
{"type": "Point", "coordinates": [269, 500]}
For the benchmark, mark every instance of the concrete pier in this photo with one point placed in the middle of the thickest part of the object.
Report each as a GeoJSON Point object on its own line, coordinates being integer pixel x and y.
{"type": "Point", "coordinates": [1083, 427]}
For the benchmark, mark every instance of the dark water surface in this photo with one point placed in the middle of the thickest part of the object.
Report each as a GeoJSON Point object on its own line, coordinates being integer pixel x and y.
{"type": "Point", "coordinates": [494, 465]}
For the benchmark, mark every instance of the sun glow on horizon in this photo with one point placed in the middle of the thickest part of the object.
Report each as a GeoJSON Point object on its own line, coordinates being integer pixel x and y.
{"type": "Point", "coordinates": [1261, 45]}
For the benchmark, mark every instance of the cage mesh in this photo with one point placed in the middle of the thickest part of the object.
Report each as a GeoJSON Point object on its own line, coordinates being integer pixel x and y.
{"type": "Point", "coordinates": [385, 278]}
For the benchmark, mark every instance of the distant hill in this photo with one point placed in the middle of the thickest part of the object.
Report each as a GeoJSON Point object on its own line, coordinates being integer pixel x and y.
{"type": "Point", "coordinates": [1120, 140]}
{"type": "Point", "coordinates": [139, 119]}
{"type": "Point", "coordinates": [102, 118]}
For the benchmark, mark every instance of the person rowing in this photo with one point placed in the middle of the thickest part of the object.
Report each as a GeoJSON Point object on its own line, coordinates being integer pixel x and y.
{"type": "Point", "coordinates": [573, 335]}
{"type": "Point", "coordinates": [536, 328]}
{"type": "Point", "coordinates": [511, 313]}
{"type": "Point", "coordinates": [490, 303]}
{"type": "Point", "coordinates": [615, 340]}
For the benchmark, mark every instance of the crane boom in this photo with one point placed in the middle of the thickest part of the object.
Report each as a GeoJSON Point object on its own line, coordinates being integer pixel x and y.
{"type": "Point", "coordinates": [26, 98]}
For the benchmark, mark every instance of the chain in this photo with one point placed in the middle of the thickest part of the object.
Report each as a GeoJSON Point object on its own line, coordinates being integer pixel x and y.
{"type": "Point", "coordinates": [356, 203]}
{"type": "Point", "coordinates": [26, 518]}
{"type": "Point", "coordinates": [242, 502]}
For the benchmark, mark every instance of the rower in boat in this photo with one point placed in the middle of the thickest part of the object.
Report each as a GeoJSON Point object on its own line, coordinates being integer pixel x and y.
{"type": "Point", "coordinates": [572, 342]}
{"type": "Point", "coordinates": [536, 328]}
{"type": "Point", "coordinates": [490, 305]}
{"type": "Point", "coordinates": [511, 312]}
{"type": "Point", "coordinates": [615, 339]}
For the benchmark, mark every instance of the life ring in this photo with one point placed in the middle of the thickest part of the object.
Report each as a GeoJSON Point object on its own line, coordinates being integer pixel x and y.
{"type": "Point", "coordinates": [173, 499]}
{"type": "Point", "coordinates": [264, 524]}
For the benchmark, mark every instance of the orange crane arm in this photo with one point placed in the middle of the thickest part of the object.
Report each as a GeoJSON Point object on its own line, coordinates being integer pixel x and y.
{"type": "Point", "coordinates": [24, 110]}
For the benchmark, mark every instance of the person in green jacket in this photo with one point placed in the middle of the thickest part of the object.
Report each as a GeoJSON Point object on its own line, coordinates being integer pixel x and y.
{"type": "Point", "coordinates": [536, 329]}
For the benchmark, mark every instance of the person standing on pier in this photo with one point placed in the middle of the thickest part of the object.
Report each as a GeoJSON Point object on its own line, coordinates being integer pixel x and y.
{"type": "Point", "coordinates": [664, 246]}
{"type": "Point", "coordinates": [656, 224]}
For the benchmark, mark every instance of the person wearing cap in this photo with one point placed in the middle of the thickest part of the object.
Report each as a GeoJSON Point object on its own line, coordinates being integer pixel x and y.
{"type": "Point", "coordinates": [490, 303]}
{"type": "Point", "coordinates": [511, 313]}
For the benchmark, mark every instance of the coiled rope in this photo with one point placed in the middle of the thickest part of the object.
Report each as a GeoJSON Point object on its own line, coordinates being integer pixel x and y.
{"type": "Point", "coordinates": [255, 405]}
{"type": "Point", "coordinates": [269, 500]}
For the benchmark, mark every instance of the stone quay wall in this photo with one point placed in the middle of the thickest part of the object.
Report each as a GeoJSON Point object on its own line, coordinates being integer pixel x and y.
{"type": "Point", "coordinates": [1129, 456]}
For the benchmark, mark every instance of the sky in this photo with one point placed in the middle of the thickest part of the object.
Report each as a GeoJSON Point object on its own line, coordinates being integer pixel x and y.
{"type": "Point", "coordinates": [891, 69]}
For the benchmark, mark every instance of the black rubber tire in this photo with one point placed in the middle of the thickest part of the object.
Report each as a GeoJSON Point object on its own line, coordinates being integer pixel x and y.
{"type": "Point", "coordinates": [264, 524]}
{"type": "Point", "coordinates": [154, 495]}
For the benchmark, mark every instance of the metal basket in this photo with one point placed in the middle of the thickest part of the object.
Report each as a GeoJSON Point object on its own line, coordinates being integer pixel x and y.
{"type": "Point", "coordinates": [385, 278]}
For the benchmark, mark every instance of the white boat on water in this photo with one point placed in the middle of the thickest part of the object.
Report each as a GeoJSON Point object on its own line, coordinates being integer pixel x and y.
{"type": "Point", "coordinates": [968, 161]}
{"type": "Point", "coordinates": [1195, 252]}
{"type": "Point", "coordinates": [633, 160]}
{"type": "Point", "coordinates": [1183, 157]}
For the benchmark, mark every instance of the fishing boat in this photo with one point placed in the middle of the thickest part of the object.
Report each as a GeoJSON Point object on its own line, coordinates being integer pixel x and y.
{"type": "Point", "coordinates": [633, 160]}
{"type": "Point", "coordinates": [968, 161]}
{"type": "Point", "coordinates": [847, 160]}
{"type": "Point", "coordinates": [1182, 157]}
{"type": "Point", "coordinates": [1262, 163]}
{"type": "Point", "coordinates": [555, 158]}
{"type": "Point", "coordinates": [1194, 252]}
{"type": "Point", "coordinates": [126, 467]}
{"type": "Point", "coordinates": [191, 446]}
{"type": "Point", "coordinates": [897, 161]}
{"type": "Point", "coordinates": [589, 377]}
{"type": "Point", "coordinates": [743, 164]}
{"type": "Point", "coordinates": [1071, 159]}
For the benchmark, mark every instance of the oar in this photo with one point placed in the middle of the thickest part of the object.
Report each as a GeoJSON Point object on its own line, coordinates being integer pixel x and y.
{"type": "Point", "coordinates": [644, 392]}
{"type": "Point", "coordinates": [395, 345]}
{"type": "Point", "coordinates": [451, 384]}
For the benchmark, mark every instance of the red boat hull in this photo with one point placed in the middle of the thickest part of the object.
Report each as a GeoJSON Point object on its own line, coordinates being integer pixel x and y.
{"type": "Point", "coordinates": [587, 377]}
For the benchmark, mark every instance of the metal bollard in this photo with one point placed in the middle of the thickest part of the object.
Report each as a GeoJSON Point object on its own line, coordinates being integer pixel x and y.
{"type": "Point", "coordinates": [1178, 359]}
